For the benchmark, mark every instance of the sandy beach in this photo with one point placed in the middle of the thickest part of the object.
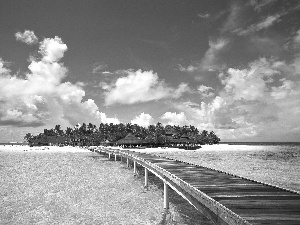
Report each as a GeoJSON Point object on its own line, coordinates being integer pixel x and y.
{"type": "Point", "coordinates": [66, 185]}
{"type": "Point", "coordinates": [71, 185]}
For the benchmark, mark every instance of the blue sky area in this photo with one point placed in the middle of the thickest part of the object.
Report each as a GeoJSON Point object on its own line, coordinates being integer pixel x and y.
{"type": "Point", "coordinates": [228, 66]}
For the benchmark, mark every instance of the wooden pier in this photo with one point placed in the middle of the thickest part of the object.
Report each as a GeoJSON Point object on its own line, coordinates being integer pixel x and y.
{"type": "Point", "coordinates": [223, 198]}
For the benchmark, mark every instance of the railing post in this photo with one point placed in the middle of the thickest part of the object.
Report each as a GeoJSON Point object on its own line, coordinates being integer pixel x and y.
{"type": "Point", "coordinates": [109, 155]}
{"type": "Point", "coordinates": [127, 162]}
{"type": "Point", "coordinates": [166, 196]}
{"type": "Point", "coordinates": [134, 167]}
{"type": "Point", "coordinates": [115, 157]}
{"type": "Point", "coordinates": [146, 177]}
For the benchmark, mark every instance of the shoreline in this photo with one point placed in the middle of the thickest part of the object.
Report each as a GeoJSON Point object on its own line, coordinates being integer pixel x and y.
{"type": "Point", "coordinates": [44, 149]}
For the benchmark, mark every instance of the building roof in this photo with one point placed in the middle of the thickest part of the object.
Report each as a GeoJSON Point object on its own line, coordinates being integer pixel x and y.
{"type": "Point", "coordinates": [131, 139]}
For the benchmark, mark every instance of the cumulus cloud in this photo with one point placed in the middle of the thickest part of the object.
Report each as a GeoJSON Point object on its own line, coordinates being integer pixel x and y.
{"type": "Point", "coordinates": [140, 86]}
{"type": "Point", "coordinates": [205, 91]}
{"type": "Point", "coordinates": [27, 37]}
{"type": "Point", "coordinates": [258, 102]}
{"type": "Point", "coordinates": [52, 49]}
{"type": "Point", "coordinates": [265, 23]}
{"type": "Point", "coordinates": [41, 97]}
{"type": "Point", "coordinates": [3, 70]}
{"type": "Point", "coordinates": [175, 118]}
{"type": "Point", "coordinates": [190, 68]}
{"type": "Point", "coordinates": [143, 120]}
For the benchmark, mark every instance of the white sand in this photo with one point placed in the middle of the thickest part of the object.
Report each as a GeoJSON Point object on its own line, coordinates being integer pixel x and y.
{"type": "Point", "coordinates": [206, 148]}
{"type": "Point", "coordinates": [26, 148]}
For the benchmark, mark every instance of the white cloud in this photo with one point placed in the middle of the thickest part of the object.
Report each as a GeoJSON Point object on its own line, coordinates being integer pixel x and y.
{"type": "Point", "coordinates": [143, 120]}
{"type": "Point", "coordinates": [210, 61]}
{"type": "Point", "coordinates": [265, 23]}
{"type": "Point", "coordinates": [205, 91]}
{"type": "Point", "coordinates": [258, 102]}
{"type": "Point", "coordinates": [249, 84]}
{"type": "Point", "coordinates": [296, 38]}
{"type": "Point", "coordinates": [258, 5]}
{"type": "Point", "coordinates": [52, 49]}
{"type": "Point", "coordinates": [287, 89]}
{"type": "Point", "coordinates": [41, 98]}
{"type": "Point", "coordinates": [106, 73]}
{"type": "Point", "coordinates": [190, 68]}
{"type": "Point", "coordinates": [175, 118]}
{"type": "Point", "coordinates": [3, 70]}
{"type": "Point", "coordinates": [203, 16]}
{"type": "Point", "coordinates": [233, 18]}
{"type": "Point", "coordinates": [98, 67]}
{"type": "Point", "coordinates": [27, 37]}
{"type": "Point", "coordinates": [140, 86]}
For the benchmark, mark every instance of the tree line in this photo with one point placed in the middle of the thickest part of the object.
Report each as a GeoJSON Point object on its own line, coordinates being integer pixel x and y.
{"type": "Point", "coordinates": [155, 134]}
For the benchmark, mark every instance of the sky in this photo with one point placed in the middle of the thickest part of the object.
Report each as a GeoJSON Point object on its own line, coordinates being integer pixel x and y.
{"type": "Point", "coordinates": [232, 67]}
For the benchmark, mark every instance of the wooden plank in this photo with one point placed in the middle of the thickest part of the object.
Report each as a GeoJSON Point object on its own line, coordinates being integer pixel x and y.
{"type": "Point", "coordinates": [256, 202]}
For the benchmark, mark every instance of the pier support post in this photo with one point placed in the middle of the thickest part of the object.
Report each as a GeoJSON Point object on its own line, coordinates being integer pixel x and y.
{"type": "Point", "coordinates": [146, 177]}
{"type": "Point", "coordinates": [121, 158]}
{"type": "Point", "coordinates": [134, 167]}
{"type": "Point", "coordinates": [166, 196]}
{"type": "Point", "coordinates": [109, 155]}
{"type": "Point", "coordinates": [127, 162]}
{"type": "Point", "coordinates": [115, 157]}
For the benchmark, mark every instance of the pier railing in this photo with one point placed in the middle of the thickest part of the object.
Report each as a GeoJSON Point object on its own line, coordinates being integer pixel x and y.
{"type": "Point", "coordinates": [211, 208]}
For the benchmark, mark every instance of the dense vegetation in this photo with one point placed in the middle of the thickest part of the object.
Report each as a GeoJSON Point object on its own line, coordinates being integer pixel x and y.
{"type": "Point", "coordinates": [155, 134]}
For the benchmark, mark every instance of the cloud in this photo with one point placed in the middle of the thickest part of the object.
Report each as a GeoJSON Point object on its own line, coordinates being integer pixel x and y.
{"type": "Point", "coordinates": [233, 18]}
{"type": "Point", "coordinates": [250, 83]}
{"type": "Point", "coordinates": [258, 102]}
{"type": "Point", "coordinates": [3, 70]}
{"type": "Point", "coordinates": [140, 86]}
{"type": "Point", "coordinates": [98, 67]}
{"type": "Point", "coordinates": [265, 23]}
{"type": "Point", "coordinates": [52, 49]}
{"type": "Point", "coordinates": [106, 73]}
{"type": "Point", "coordinates": [296, 39]}
{"type": "Point", "coordinates": [27, 37]}
{"type": "Point", "coordinates": [41, 98]}
{"type": "Point", "coordinates": [143, 120]}
{"type": "Point", "coordinates": [190, 68]}
{"type": "Point", "coordinates": [175, 118]}
{"type": "Point", "coordinates": [205, 91]}
{"type": "Point", "coordinates": [210, 61]}
{"type": "Point", "coordinates": [203, 16]}
{"type": "Point", "coordinates": [258, 5]}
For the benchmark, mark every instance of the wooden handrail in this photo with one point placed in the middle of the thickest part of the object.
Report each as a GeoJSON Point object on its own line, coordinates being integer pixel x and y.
{"type": "Point", "coordinates": [211, 208]}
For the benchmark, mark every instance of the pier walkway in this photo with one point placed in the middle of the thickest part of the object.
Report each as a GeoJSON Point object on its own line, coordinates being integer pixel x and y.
{"type": "Point", "coordinates": [224, 198]}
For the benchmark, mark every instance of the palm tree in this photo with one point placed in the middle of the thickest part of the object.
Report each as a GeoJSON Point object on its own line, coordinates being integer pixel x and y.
{"type": "Point", "coordinates": [28, 137]}
{"type": "Point", "coordinates": [57, 129]}
{"type": "Point", "coordinates": [213, 138]}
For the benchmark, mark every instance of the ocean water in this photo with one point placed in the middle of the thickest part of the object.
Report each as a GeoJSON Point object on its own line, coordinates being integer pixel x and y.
{"type": "Point", "coordinates": [274, 163]}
